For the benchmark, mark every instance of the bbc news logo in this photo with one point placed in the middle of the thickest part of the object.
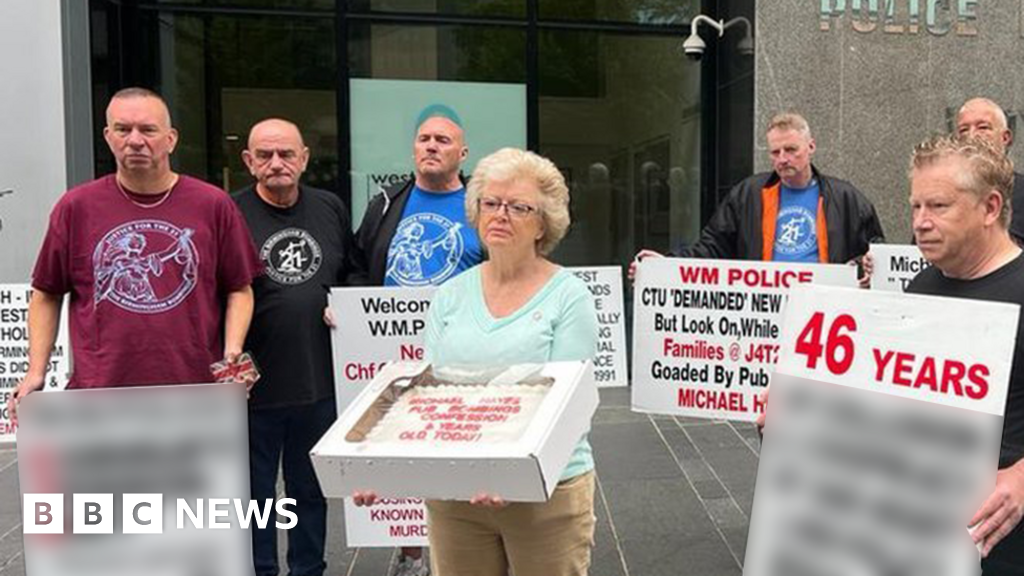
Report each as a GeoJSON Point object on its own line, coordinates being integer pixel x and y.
{"type": "Point", "coordinates": [144, 513]}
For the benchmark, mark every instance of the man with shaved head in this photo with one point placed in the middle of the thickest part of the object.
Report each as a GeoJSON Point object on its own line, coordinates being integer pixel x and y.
{"type": "Point", "coordinates": [157, 266]}
{"type": "Point", "coordinates": [983, 118]}
{"type": "Point", "coordinates": [304, 238]}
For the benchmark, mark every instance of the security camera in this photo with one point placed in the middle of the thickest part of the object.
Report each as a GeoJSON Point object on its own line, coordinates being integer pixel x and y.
{"type": "Point", "coordinates": [745, 47]}
{"type": "Point", "coordinates": [694, 47]}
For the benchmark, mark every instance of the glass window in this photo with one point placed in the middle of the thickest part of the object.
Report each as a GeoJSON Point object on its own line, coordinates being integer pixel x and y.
{"type": "Point", "coordinates": [660, 12]}
{"type": "Point", "coordinates": [221, 74]}
{"type": "Point", "coordinates": [326, 5]}
{"type": "Point", "coordinates": [620, 115]}
{"type": "Point", "coordinates": [507, 8]}
{"type": "Point", "coordinates": [464, 53]}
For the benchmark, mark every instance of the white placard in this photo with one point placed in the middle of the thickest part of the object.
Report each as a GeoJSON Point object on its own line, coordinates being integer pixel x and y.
{"type": "Point", "coordinates": [154, 444]}
{"type": "Point", "coordinates": [883, 433]}
{"type": "Point", "coordinates": [14, 350]}
{"type": "Point", "coordinates": [605, 284]}
{"type": "Point", "coordinates": [389, 522]}
{"type": "Point", "coordinates": [706, 332]}
{"type": "Point", "coordinates": [895, 266]}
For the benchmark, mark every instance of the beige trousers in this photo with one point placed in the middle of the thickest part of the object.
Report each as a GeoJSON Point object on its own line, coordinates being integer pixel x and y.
{"type": "Point", "coordinates": [552, 538]}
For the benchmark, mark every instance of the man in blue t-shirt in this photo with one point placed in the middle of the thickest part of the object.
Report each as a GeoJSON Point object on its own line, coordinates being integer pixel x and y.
{"type": "Point", "coordinates": [415, 233]}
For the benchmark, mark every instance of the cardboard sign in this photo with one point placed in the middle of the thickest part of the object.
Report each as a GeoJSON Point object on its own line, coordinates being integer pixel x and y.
{"type": "Point", "coordinates": [605, 284]}
{"type": "Point", "coordinates": [895, 266]}
{"type": "Point", "coordinates": [706, 332]}
{"type": "Point", "coordinates": [138, 454]}
{"type": "Point", "coordinates": [14, 300]}
{"type": "Point", "coordinates": [883, 434]}
{"type": "Point", "coordinates": [377, 325]}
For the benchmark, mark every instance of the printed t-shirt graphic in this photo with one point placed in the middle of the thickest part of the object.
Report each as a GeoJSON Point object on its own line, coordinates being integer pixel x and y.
{"type": "Point", "coordinates": [433, 241]}
{"type": "Point", "coordinates": [145, 266]}
{"type": "Point", "coordinates": [291, 256]}
{"type": "Point", "coordinates": [796, 236]}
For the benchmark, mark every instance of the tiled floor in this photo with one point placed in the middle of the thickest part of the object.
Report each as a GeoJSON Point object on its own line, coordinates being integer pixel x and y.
{"type": "Point", "coordinates": [674, 498]}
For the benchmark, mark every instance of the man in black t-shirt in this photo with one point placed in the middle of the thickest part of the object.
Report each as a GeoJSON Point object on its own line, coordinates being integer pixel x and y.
{"type": "Point", "coordinates": [304, 239]}
{"type": "Point", "coordinates": [983, 118]}
{"type": "Point", "coordinates": [960, 196]}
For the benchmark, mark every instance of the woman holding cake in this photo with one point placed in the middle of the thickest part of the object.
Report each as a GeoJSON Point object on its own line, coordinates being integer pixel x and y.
{"type": "Point", "coordinates": [516, 307]}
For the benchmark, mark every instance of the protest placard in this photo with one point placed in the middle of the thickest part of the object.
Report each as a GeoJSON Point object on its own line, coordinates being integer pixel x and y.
{"type": "Point", "coordinates": [882, 436]}
{"type": "Point", "coordinates": [605, 284]}
{"type": "Point", "coordinates": [705, 332]}
{"type": "Point", "coordinates": [113, 470]}
{"type": "Point", "coordinates": [895, 266]}
{"type": "Point", "coordinates": [14, 350]}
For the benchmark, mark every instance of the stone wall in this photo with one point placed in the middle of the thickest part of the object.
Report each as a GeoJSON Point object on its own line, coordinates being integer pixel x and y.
{"type": "Point", "coordinates": [873, 78]}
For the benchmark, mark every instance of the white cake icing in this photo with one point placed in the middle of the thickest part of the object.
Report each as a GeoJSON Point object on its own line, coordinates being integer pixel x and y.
{"type": "Point", "coordinates": [459, 414]}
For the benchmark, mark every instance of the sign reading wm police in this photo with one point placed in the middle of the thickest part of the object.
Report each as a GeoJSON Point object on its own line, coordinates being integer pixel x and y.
{"type": "Point", "coordinates": [903, 16]}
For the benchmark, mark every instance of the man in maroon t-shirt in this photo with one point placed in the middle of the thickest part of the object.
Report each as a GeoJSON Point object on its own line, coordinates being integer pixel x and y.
{"type": "Point", "coordinates": [156, 265]}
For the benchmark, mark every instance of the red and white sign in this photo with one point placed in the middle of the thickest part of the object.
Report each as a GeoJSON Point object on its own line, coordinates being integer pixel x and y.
{"type": "Point", "coordinates": [883, 433]}
{"type": "Point", "coordinates": [706, 332]}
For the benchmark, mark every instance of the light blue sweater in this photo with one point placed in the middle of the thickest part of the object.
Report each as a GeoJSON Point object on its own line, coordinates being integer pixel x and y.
{"type": "Point", "coordinates": [558, 323]}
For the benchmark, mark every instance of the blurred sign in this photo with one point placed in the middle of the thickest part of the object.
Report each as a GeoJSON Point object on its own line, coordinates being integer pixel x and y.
{"type": "Point", "coordinates": [113, 444]}
{"type": "Point", "coordinates": [883, 434]}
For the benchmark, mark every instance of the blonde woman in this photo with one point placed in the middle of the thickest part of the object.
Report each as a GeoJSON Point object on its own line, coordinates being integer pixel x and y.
{"type": "Point", "coordinates": [516, 307]}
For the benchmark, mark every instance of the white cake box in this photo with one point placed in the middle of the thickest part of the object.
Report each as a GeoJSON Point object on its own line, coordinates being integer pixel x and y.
{"type": "Point", "coordinates": [433, 461]}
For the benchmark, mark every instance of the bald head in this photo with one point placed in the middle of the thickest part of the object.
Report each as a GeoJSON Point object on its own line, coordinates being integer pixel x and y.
{"type": "Point", "coordinates": [275, 127]}
{"type": "Point", "coordinates": [276, 156]}
{"type": "Point", "coordinates": [983, 118]}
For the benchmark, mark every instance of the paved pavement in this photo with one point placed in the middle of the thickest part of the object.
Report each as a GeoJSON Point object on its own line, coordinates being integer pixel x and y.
{"type": "Point", "coordinates": [674, 498]}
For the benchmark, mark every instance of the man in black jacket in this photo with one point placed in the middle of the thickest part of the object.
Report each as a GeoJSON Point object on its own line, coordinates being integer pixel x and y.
{"type": "Point", "coordinates": [983, 118]}
{"type": "Point", "coordinates": [415, 233]}
{"type": "Point", "coordinates": [792, 214]}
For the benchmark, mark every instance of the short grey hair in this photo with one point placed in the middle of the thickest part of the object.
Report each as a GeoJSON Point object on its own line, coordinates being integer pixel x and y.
{"type": "Point", "coordinates": [789, 121]}
{"type": "Point", "coordinates": [510, 164]}
{"type": "Point", "coordinates": [987, 168]}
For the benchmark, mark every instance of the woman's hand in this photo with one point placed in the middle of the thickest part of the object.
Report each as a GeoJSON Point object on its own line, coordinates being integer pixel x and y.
{"type": "Point", "coordinates": [364, 497]}
{"type": "Point", "coordinates": [488, 501]}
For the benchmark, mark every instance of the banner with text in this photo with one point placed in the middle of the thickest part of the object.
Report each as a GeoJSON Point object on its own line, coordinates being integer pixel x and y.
{"type": "Point", "coordinates": [377, 325]}
{"type": "Point", "coordinates": [705, 332]}
{"type": "Point", "coordinates": [605, 284]}
{"type": "Point", "coordinates": [14, 350]}
{"type": "Point", "coordinates": [883, 433]}
{"type": "Point", "coordinates": [895, 266]}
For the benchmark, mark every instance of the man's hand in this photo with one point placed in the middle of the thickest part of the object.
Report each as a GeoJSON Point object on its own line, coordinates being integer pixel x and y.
{"type": "Point", "coordinates": [867, 266]}
{"type": "Point", "coordinates": [488, 501]}
{"type": "Point", "coordinates": [763, 416]}
{"type": "Point", "coordinates": [27, 386]}
{"type": "Point", "coordinates": [329, 318]}
{"type": "Point", "coordinates": [364, 498]}
{"type": "Point", "coordinates": [1001, 511]}
{"type": "Point", "coordinates": [640, 256]}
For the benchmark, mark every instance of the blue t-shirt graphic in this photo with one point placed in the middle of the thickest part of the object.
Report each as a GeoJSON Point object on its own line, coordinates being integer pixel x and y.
{"type": "Point", "coordinates": [433, 241]}
{"type": "Point", "coordinates": [796, 229]}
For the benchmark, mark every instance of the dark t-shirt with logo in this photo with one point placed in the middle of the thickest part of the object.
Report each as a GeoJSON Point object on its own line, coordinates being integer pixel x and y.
{"type": "Point", "coordinates": [147, 282]}
{"type": "Point", "coordinates": [304, 249]}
